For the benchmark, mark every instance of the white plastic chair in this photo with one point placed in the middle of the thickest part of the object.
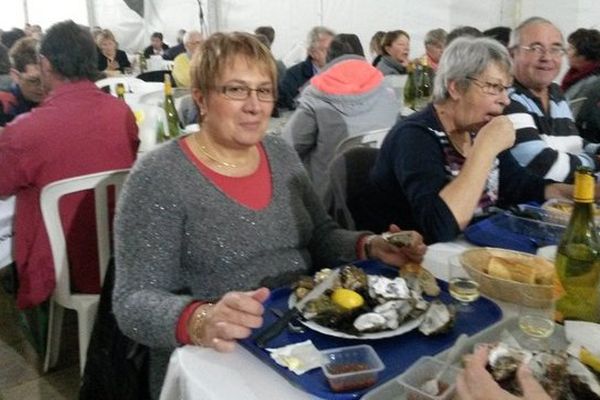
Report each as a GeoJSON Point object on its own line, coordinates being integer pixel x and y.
{"type": "Point", "coordinates": [85, 305]}
{"type": "Point", "coordinates": [372, 138]}
{"type": "Point", "coordinates": [132, 85]}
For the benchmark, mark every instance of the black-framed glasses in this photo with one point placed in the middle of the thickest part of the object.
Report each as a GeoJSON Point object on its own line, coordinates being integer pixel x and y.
{"type": "Point", "coordinates": [242, 92]}
{"type": "Point", "coordinates": [489, 87]}
{"type": "Point", "coordinates": [539, 50]}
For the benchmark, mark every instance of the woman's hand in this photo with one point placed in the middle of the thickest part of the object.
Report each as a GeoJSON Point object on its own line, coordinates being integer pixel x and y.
{"type": "Point", "coordinates": [381, 249]}
{"type": "Point", "coordinates": [495, 136]}
{"type": "Point", "coordinates": [475, 383]}
{"type": "Point", "coordinates": [232, 318]}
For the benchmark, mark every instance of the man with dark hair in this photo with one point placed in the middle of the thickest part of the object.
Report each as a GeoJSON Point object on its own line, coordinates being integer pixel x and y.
{"type": "Point", "coordinates": [77, 130]}
{"type": "Point", "coordinates": [176, 50]}
{"type": "Point", "coordinates": [157, 46]}
{"type": "Point", "coordinates": [268, 31]}
{"type": "Point", "coordinates": [26, 91]}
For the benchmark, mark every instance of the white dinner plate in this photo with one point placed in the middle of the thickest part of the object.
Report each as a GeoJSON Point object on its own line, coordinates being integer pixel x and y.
{"type": "Point", "coordinates": [407, 326]}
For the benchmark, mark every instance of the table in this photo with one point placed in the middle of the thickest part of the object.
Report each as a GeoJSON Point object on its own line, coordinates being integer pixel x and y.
{"type": "Point", "coordinates": [196, 373]}
{"type": "Point", "coordinates": [7, 210]}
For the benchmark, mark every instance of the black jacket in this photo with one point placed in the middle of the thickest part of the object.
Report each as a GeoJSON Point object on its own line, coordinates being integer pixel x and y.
{"type": "Point", "coordinates": [293, 80]}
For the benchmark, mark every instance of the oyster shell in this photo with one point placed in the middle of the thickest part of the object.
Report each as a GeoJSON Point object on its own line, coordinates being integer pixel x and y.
{"type": "Point", "coordinates": [353, 278]}
{"type": "Point", "coordinates": [370, 322]}
{"type": "Point", "coordinates": [504, 361]}
{"type": "Point", "coordinates": [399, 239]}
{"type": "Point", "coordinates": [582, 382]}
{"type": "Point", "coordinates": [438, 318]}
{"type": "Point", "coordinates": [384, 289]}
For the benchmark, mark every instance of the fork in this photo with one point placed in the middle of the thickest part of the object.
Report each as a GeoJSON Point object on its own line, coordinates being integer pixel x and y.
{"type": "Point", "coordinates": [293, 327]}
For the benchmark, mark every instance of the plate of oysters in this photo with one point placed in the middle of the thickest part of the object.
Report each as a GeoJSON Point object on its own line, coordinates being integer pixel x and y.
{"type": "Point", "coordinates": [362, 305]}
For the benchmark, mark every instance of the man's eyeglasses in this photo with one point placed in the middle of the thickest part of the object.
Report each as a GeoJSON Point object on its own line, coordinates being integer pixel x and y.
{"type": "Point", "coordinates": [539, 50]}
{"type": "Point", "coordinates": [242, 92]}
{"type": "Point", "coordinates": [489, 87]}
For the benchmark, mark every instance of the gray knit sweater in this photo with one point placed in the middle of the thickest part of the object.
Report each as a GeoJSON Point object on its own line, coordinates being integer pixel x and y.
{"type": "Point", "coordinates": [178, 237]}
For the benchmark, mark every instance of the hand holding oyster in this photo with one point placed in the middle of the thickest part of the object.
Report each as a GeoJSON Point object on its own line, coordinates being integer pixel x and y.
{"type": "Point", "coordinates": [554, 375]}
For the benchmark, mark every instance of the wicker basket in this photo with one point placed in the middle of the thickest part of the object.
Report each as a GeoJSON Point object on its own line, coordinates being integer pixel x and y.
{"type": "Point", "coordinates": [475, 262]}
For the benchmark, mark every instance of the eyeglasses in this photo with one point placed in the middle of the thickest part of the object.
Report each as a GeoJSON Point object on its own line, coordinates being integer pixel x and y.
{"type": "Point", "coordinates": [242, 92]}
{"type": "Point", "coordinates": [539, 50]}
{"type": "Point", "coordinates": [489, 87]}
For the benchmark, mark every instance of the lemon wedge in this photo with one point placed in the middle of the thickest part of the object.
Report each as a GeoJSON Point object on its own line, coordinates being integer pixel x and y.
{"type": "Point", "coordinates": [347, 298]}
{"type": "Point", "coordinates": [589, 359]}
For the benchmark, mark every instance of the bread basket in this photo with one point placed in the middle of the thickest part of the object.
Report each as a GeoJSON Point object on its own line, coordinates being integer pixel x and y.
{"type": "Point", "coordinates": [478, 260]}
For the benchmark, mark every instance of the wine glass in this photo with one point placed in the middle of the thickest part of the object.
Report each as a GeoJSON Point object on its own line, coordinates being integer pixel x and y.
{"type": "Point", "coordinates": [536, 316]}
{"type": "Point", "coordinates": [461, 286]}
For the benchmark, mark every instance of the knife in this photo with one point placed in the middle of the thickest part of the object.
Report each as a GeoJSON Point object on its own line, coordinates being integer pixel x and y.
{"type": "Point", "coordinates": [273, 330]}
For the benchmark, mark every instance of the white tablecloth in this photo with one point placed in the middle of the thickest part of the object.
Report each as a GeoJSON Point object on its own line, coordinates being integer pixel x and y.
{"type": "Point", "coordinates": [7, 209]}
{"type": "Point", "coordinates": [203, 374]}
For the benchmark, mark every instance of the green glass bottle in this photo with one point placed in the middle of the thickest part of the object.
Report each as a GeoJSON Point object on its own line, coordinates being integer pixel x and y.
{"type": "Point", "coordinates": [410, 88]}
{"type": "Point", "coordinates": [424, 84]}
{"type": "Point", "coordinates": [173, 125]}
{"type": "Point", "coordinates": [578, 256]}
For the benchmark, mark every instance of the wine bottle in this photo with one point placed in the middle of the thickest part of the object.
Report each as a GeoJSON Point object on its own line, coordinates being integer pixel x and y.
{"type": "Point", "coordinates": [410, 89]}
{"type": "Point", "coordinates": [173, 124]}
{"type": "Point", "coordinates": [120, 89]}
{"type": "Point", "coordinates": [424, 84]}
{"type": "Point", "coordinates": [578, 256]}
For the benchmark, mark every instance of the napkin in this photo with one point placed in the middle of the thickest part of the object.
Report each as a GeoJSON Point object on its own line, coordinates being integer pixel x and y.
{"type": "Point", "coordinates": [298, 357]}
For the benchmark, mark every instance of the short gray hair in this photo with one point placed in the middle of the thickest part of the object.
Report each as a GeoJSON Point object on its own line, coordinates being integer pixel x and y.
{"type": "Point", "coordinates": [436, 36]}
{"type": "Point", "coordinates": [466, 57]}
{"type": "Point", "coordinates": [314, 36]}
{"type": "Point", "coordinates": [515, 35]}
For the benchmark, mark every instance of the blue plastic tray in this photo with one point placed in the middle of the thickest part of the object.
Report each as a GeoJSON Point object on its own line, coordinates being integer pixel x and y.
{"type": "Point", "coordinates": [515, 233]}
{"type": "Point", "coordinates": [397, 353]}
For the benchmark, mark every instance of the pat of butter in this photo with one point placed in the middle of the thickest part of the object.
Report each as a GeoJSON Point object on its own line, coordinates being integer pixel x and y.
{"type": "Point", "coordinates": [298, 357]}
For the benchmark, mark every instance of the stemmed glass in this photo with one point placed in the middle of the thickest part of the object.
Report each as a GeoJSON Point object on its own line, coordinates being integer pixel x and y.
{"type": "Point", "coordinates": [461, 286]}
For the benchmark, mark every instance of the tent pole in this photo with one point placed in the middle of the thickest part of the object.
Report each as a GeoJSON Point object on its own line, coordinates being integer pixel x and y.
{"type": "Point", "coordinates": [26, 11]}
{"type": "Point", "coordinates": [91, 13]}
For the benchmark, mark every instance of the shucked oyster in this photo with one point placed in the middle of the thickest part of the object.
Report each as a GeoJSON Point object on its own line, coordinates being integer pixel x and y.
{"type": "Point", "coordinates": [438, 318]}
{"type": "Point", "coordinates": [370, 322]}
{"type": "Point", "coordinates": [384, 289]}
{"type": "Point", "coordinates": [583, 383]}
{"type": "Point", "coordinates": [504, 361]}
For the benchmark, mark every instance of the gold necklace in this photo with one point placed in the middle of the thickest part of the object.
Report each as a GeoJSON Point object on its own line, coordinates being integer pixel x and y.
{"type": "Point", "coordinates": [219, 162]}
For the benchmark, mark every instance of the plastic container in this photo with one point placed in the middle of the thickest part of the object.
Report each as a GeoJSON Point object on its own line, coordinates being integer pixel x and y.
{"type": "Point", "coordinates": [424, 369]}
{"type": "Point", "coordinates": [351, 368]}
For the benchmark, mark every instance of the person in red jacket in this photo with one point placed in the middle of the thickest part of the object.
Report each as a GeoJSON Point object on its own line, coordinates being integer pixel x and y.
{"type": "Point", "coordinates": [76, 130]}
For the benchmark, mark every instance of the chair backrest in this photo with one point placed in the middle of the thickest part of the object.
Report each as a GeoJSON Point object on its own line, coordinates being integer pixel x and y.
{"type": "Point", "coordinates": [372, 139]}
{"type": "Point", "coordinates": [50, 197]}
{"type": "Point", "coordinates": [349, 182]}
{"type": "Point", "coordinates": [576, 104]}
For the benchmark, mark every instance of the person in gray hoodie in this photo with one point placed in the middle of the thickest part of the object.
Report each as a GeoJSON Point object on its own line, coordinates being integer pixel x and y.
{"type": "Point", "coordinates": [348, 98]}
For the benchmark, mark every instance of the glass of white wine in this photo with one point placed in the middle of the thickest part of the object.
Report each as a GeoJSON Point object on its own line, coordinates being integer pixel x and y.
{"type": "Point", "coordinates": [461, 286]}
{"type": "Point", "coordinates": [536, 316]}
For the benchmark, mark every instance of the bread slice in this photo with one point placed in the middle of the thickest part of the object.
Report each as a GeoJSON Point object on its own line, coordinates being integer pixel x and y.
{"type": "Point", "coordinates": [511, 269]}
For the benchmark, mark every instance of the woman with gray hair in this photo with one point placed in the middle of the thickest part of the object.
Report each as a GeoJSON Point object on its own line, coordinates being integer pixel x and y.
{"type": "Point", "coordinates": [441, 166]}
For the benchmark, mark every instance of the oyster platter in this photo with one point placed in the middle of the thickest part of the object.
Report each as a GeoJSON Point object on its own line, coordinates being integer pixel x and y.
{"type": "Point", "coordinates": [363, 306]}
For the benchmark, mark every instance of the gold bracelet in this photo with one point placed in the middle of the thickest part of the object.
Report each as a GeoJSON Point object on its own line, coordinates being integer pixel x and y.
{"type": "Point", "coordinates": [199, 318]}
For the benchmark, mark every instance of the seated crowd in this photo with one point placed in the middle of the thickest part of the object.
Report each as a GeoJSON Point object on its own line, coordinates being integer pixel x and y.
{"type": "Point", "coordinates": [209, 223]}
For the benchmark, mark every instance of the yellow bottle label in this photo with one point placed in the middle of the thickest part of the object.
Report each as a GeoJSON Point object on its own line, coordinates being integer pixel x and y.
{"type": "Point", "coordinates": [584, 188]}
{"type": "Point", "coordinates": [168, 87]}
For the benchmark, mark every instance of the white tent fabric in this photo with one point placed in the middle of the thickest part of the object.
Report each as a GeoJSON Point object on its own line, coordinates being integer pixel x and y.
{"type": "Point", "coordinates": [292, 19]}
